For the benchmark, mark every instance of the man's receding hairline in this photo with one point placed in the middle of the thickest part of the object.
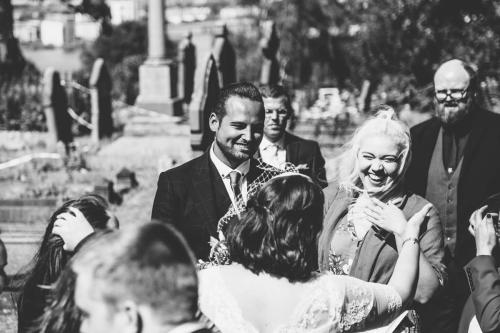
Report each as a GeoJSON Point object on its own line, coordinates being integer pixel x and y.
{"type": "Point", "coordinates": [446, 68]}
{"type": "Point", "coordinates": [240, 97]}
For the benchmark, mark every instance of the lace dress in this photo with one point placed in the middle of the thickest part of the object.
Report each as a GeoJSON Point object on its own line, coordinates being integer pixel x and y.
{"type": "Point", "coordinates": [331, 304]}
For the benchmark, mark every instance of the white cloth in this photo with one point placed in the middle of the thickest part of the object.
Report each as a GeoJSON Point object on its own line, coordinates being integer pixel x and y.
{"type": "Point", "coordinates": [224, 171]}
{"type": "Point", "coordinates": [273, 153]}
{"type": "Point", "coordinates": [332, 303]}
{"type": "Point", "coordinates": [474, 326]}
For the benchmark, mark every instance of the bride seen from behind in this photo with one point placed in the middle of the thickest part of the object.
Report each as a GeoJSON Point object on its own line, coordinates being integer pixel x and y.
{"type": "Point", "coordinates": [273, 284]}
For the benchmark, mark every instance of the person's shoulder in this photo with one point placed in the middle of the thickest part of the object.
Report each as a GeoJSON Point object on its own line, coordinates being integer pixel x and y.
{"type": "Point", "coordinates": [488, 117]}
{"type": "Point", "coordinates": [416, 200]}
{"type": "Point", "coordinates": [183, 170]}
{"type": "Point", "coordinates": [294, 139]}
{"type": "Point", "coordinates": [433, 121]}
{"type": "Point", "coordinates": [415, 203]}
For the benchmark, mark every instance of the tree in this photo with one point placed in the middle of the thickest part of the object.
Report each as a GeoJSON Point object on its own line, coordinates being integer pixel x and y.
{"type": "Point", "coordinates": [397, 43]}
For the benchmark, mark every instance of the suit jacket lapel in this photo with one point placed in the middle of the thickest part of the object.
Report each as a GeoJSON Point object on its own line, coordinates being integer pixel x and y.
{"type": "Point", "coordinates": [204, 193]}
{"type": "Point", "coordinates": [338, 209]}
{"type": "Point", "coordinates": [429, 142]}
{"type": "Point", "coordinates": [363, 267]}
{"type": "Point", "coordinates": [254, 171]}
{"type": "Point", "coordinates": [473, 141]}
{"type": "Point", "coordinates": [291, 149]}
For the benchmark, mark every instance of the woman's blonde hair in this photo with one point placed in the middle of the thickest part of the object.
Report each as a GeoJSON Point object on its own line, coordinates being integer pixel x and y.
{"type": "Point", "coordinates": [384, 123]}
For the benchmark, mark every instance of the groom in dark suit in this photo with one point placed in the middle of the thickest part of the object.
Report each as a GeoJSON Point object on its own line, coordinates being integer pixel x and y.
{"type": "Point", "coordinates": [278, 146]}
{"type": "Point", "coordinates": [195, 195]}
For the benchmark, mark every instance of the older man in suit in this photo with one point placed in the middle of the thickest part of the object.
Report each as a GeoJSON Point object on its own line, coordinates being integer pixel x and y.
{"type": "Point", "coordinates": [278, 146]}
{"type": "Point", "coordinates": [455, 165]}
{"type": "Point", "coordinates": [195, 195]}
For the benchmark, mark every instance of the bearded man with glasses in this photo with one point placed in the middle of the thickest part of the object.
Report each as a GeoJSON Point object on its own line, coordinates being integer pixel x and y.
{"type": "Point", "coordinates": [456, 166]}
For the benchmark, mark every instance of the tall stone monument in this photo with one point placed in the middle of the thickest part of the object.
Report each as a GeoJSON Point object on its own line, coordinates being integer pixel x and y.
{"type": "Point", "coordinates": [158, 75]}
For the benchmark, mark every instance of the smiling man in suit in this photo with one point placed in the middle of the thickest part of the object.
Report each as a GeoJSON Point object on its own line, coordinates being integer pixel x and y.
{"type": "Point", "coordinates": [195, 195]}
{"type": "Point", "coordinates": [278, 146]}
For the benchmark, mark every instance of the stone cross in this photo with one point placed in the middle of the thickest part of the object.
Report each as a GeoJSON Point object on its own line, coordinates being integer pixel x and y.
{"type": "Point", "coordinates": [100, 100]}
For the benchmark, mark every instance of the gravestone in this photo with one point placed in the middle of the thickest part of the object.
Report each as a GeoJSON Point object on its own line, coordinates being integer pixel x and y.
{"type": "Point", "coordinates": [225, 57]}
{"type": "Point", "coordinates": [100, 99]}
{"type": "Point", "coordinates": [201, 135]}
{"type": "Point", "coordinates": [188, 61]}
{"type": "Point", "coordinates": [105, 188]}
{"type": "Point", "coordinates": [55, 102]}
{"type": "Point", "coordinates": [269, 74]}
{"type": "Point", "coordinates": [125, 179]}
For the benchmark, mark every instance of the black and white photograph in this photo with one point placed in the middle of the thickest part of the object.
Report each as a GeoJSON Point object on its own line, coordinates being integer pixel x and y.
{"type": "Point", "coordinates": [249, 166]}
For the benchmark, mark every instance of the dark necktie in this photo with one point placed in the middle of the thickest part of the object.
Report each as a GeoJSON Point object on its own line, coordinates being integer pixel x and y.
{"type": "Point", "coordinates": [450, 151]}
{"type": "Point", "coordinates": [234, 179]}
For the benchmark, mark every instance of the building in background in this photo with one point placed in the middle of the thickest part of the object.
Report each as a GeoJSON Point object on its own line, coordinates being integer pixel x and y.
{"type": "Point", "coordinates": [57, 30]}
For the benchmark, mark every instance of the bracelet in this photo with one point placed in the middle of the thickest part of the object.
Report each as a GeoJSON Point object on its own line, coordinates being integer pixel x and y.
{"type": "Point", "coordinates": [410, 239]}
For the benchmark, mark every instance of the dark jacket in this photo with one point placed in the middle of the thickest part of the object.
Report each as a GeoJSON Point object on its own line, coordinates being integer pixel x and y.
{"type": "Point", "coordinates": [479, 177]}
{"type": "Point", "coordinates": [192, 197]}
{"type": "Point", "coordinates": [484, 302]}
{"type": "Point", "coordinates": [306, 153]}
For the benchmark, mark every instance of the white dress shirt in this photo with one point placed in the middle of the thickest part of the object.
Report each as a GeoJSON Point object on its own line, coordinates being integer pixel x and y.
{"type": "Point", "coordinates": [273, 153]}
{"type": "Point", "coordinates": [224, 171]}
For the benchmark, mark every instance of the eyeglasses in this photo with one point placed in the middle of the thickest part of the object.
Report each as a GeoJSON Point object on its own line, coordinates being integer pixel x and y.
{"type": "Point", "coordinates": [455, 94]}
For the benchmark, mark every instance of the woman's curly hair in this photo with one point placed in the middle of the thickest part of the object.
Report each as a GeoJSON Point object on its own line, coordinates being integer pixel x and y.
{"type": "Point", "coordinates": [279, 231]}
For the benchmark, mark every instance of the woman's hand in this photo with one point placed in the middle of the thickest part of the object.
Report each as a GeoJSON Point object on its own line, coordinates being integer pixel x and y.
{"type": "Point", "coordinates": [72, 227]}
{"type": "Point", "coordinates": [386, 216]}
{"type": "Point", "coordinates": [476, 218]}
{"type": "Point", "coordinates": [415, 222]}
{"type": "Point", "coordinates": [484, 233]}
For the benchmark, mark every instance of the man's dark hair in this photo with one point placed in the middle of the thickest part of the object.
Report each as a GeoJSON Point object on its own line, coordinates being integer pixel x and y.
{"type": "Point", "coordinates": [276, 91]}
{"type": "Point", "coordinates": [278, 233]}
{"type": "Point", "coordinates": [241, 89]}
{"type": "Point", "coordinates": [149, 265]}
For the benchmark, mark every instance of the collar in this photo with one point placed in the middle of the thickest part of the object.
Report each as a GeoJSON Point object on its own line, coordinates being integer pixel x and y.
{"type": "Point", "coordinates": [266, 143]}
{"type": "Point", "coordinates": [188, 327]}
{"type": "Point", "coordinates": [224, 169]}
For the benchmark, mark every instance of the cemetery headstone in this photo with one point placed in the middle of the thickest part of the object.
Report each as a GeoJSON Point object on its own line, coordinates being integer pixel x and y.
{"type": "Point", "coordinates": [188, 60]}
{"type": "Point", "coordinates": [225, 57]}
{"type": "Point", "coordinates": [100, 96]}
{"type": "Point", "coordinates": [55, 102]}
{"type": "Point", "coordinates": [125, 179]}
{"type": "Point", "coordinates": [270, 42]}
{"type": "Point", "coordinates": [105, 188]}
{"type": "Point", "coordinates": [201, 135]}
